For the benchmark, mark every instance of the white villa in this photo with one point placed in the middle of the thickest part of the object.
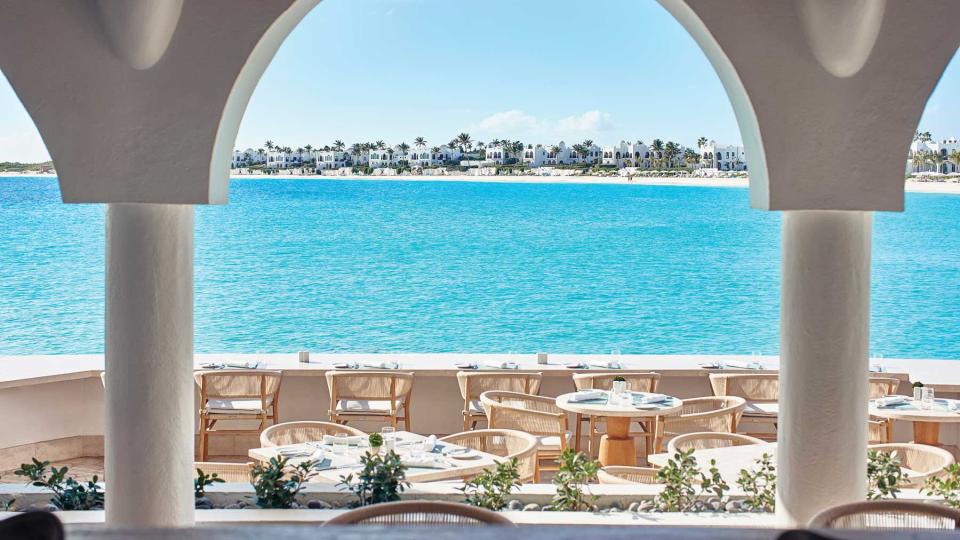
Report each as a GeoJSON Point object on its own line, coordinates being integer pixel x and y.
{"type": "Point", "coordinates": [628, 154]}
{"type": "Point", "coordinates": [723, 157]}
{"type": "Point", "coordinates": [928, 155]}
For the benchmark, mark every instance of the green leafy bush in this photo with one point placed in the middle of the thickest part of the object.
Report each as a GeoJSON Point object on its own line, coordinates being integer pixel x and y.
{"type": "Point", "coordinates": [202, 481]}
{"type": "Point", "coordinates": [382, 479]}
{"type": "Point", "coordinates": [376, 440]}
{"type": "Point", "coordinates": [684, 484]}
{"type": "Point", "coordinates": [277, 485]}
{"type": "Point", "coordinates": [68, 494]}
{"type": "Point", "coordinates": [491, 488]}
{"type": "Point", "coordinates": [760, 485]}
{"type": "Point", "coordinates": [576, 471]}
{"type": "Point", "coordinates": [946, 486]}
{"type": "Point", "coordinates": [884, 475]}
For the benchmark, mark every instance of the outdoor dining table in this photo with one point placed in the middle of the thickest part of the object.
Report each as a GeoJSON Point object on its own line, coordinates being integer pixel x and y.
{"type": "Point", "coordinates": [730, 460]}
{"type": "Point", "coordinates": [332, 466]}
{"type": "Point", "coordinates": [926, 422]}
{"type": "Point", "coordinates": [617, 447]}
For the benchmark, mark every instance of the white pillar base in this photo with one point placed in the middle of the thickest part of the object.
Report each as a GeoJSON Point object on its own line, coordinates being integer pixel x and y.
{"type": "Point", "coordinates": [149, 366]}
{"type": "Point", "coordinates": [824, 327]}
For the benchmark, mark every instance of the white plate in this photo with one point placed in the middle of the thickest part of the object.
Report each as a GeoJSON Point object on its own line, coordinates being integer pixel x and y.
{"type": "Point", "coordinates": [461, 453]}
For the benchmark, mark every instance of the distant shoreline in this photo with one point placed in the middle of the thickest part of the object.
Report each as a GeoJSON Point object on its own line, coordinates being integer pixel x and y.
{"type": "Point", "coordinates": [944, 188]}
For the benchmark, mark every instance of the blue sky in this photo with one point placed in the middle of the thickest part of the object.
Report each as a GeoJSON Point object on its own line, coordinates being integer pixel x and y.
{"type": "Point", "coordinates": [537, 70]}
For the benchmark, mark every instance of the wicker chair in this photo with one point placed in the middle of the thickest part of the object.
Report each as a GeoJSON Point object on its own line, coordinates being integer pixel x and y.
{"type": "Point", "coordinates": [921, 461]}
{"type": "Point", "coordinates": [704, 414]}
{"type": "Point", "coordinates": [706, 440]}
{"type": "Point", "coordinates": [300, 432]}
{"type": "Point", "coordinates": [891, 515]}
{"type": "Point", "coordinates": [229, 472]}
{"type": "Point", "coordinates": [627, 475]}
{"type": "Point", "coordinates": [476, 383]}
{"type": "Point", "coordinates": [757, 389]}
{"type": "Point", "coordinates": [538, 416]}
{"type": "Point", "coordinates": [370, 395]}
{"type": "Point", "coordinates": [508, 443]}
{"type": "Point", "coordinates": [880, 430]}
{"type": "Point", "coordinates": [420, 513]}
{"type": "Point", "coordinates": [639, 382]}
{"type": "Point", "coordinates": [248, 395]}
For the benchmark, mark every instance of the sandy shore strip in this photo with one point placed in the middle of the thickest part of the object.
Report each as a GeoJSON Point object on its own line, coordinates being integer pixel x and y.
{"type": "Point", "coordinates": [944, 188]}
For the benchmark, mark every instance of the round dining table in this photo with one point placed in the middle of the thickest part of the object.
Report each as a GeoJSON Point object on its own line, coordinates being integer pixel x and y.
{"type": "Point", "coordinates": [926, 422]}
{"type": "Point", "coordinates": [617, 446]}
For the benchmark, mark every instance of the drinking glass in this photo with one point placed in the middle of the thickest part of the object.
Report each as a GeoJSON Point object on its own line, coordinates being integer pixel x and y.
{"type": "Point", "coordinates": [340, 444]}
{"type": "Point", "coordinates": [388, 438]}
{"type": "Point", "coordinates": [927, 398]}
{"type": "Point", "coordinates": [416, 450]}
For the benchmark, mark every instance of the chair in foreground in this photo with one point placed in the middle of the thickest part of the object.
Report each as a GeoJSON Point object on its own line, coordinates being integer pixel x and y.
{"type": "Point", "coordinates": [472, 384]}
{"type": "Point", "coordinates": [704, 414]}
{"type": "Point", "coordinates": [301, 432]}
{"type": "Point", "coordinates": [370, 395]}
{"type": "Point", "coordinates": [245, 396]}
{"type": "Point", "coordinates": [921, 461]}
{"type": "Point", "coordinates": [707, 440]}
{"type": "Point", "coordinates": [31, 526]}
{"type": "Point", "coordinates": [638, 382]}
{"type": "Point", "coordinates": [760, 390]}
{"type": "Point", "coordinates": [887, 515]}
{"type": "Point", "coordinates": [507, 443]}
{"type": "Point", "coordinates": [228, 472]}
{"type": "Point", "coordinates": [420, 513]}
{"type": "Point", "coordinates": [538, 416]}
{"type": "Point", "coordinates": [627, 475]}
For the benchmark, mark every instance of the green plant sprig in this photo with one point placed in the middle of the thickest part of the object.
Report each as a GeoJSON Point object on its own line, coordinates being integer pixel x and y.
{"type": "Point", "coordinates": [576, 471]}
{"type": "Point", "coordinates": [491, 488]}
{"type": "Point", "coordinates": [382, 479]}
{"type": "Point", "coordinates": [277, 484]}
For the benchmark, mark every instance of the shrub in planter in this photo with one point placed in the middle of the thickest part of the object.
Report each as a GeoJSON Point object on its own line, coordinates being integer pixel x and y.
{"type": "Point", "coordinates": [376, 441]}
{"type": "Point", "coordinates": [684, 484]}
{"type": "Point", "coordinates": [382, 479]}
{"type": "Point", "coordinates": [202, 481]}
{"type": "Point", "coordinates": [68, 494]}
{"type": "Point", "coordinates": [491, 488]}
{"type": "Point", "coordinates": [946, 486]}
{"type": "Point", "coordinates": [760, 485]}
{"type": "Point", "coordinates": [576, 471]}
{"type": "Point", "coordinates": [277, 485]}
{"type": "Point", "coordinates": [884, 475]}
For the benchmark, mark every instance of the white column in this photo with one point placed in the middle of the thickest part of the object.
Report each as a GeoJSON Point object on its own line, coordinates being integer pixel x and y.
{"type": "Point", "coordinates": [824, 340]}
{"type": "Point", "coordinates": [149, 365]}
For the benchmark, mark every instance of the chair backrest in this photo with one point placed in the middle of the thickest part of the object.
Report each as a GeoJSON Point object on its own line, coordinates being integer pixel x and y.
{"type": "Point", "coordinates": [535, 415]}
{"type": "Point", "coordinates": [706, 440]}
{"type": "Point", "coordinates": [239, 384]}
{"type": "Point", "coordinates": [508, 443]}
{"type": "Point", "coordinates": [921, 458]}
{"type": "Point", "coordinates": [420, 513]}
{"type": "Point", "coordinates": [369, 385]}
{"type": "Point", "coordinates": [627, 475]}
{"type": "Point", "coordinates": [883, 387]}
{"type": "Point", "coordinates": [472, 384]}
{"type": "Point", "coordinates": [887, 515]}
{"type": "Point", "coordinates": [32, 525]}
{"type": "Point", "coordinates": [718, 414]}
{"type": "Point", "coordinates": [300, 432]}
{"type": "Point", "coordinates": [229, 472]}
{"type": "Point", "coordinates": [760, 387]}
{"type": "Point", "coordinates": [639, 382]}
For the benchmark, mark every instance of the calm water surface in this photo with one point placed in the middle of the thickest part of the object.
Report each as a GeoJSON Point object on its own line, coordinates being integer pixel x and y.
{"type": "Point", "coordinates": [473, 267]}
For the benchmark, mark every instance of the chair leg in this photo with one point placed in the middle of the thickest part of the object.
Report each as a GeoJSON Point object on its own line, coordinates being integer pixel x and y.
{"type": "Point", "coordinates": [592, 437]}
{"type": "Point", "coordinates": [204, 441]}
{"type": "Point", "coordinates": [576, 437]}
{"type": "Point", "coordinates": [536, 472]}
{"type": "Point", "coordinates": [466, 422]}
{"type": "Point", "coordinates": [406, 420]}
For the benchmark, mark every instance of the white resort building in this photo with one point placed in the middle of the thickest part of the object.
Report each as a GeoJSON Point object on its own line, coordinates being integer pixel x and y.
{"type": "Point", "coordinates": [928, 155]}
{"type": "Point", "coordinates": [723, 157]}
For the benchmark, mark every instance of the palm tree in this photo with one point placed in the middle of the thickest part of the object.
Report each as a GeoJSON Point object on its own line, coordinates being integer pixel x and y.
{"type": "Point", "coordinates": [379, 145]}
{"type": "Point", "coordinates": [403, 147]}
{"type": "Point", "coordinates": [691, 157]}
{"type": "Point", "coordinates": [338, 145]}
{"type": "Point", "coordinates": [463, 141]}
{"type": "Point", "coordinates": [435, 151]}
{"type": "Point", "coordinates": [920, 158]}
{"type": "Point", "coordinates": [954, 157]}
{"type": "Point", "coordinates": [936, 159]}
{"type": "Point", "coordinates": [269, 145]}
{"type": "Point", "coordinates": [355, 150]}
{"type": "Point", "coordinates": [701, 142]}
{"type": "Point", "coordinates": [671, 151]}
{"type": "Point", "coordinates": [420, 142]}
{"type": "Point", "coordinates": [657, 149]}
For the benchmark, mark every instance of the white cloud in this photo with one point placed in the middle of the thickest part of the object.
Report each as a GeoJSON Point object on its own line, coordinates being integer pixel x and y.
{"type": "Point", "coordinates": [590, 121]}
{"type": "Point", "coordinates": [517, 123]}
{"type": "Point", "coordinates": [509, 121]}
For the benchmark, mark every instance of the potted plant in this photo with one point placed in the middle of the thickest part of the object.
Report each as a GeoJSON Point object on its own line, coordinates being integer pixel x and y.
{"type": "Point", "coordinates": [619, 385]}
{"type": "Point", "coordinates": [376, 442]}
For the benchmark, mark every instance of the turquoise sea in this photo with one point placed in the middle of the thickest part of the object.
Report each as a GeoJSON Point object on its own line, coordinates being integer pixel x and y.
{"type": "Point", "coordinates": [371, 266]}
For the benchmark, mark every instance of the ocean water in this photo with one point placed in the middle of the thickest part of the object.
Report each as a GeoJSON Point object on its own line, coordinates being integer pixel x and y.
{"type": "Point", "coordinates": [370, 266]}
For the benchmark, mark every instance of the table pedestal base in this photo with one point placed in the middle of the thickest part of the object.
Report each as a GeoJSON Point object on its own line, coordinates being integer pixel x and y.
{"type": "Point", "coordinates": [617, 447]}
{"type": "Point", "coordinates": [926, 433]}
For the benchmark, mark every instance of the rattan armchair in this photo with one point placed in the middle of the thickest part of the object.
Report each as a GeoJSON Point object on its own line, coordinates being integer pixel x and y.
{"type": "Point", "coordinates": [704, 414]}
{"type": "Point", "coordinates": [420, 513]}
{"type": "Point", "coordinates": [370, 395]}
{"type": "Point", "coordinates": [472, 384]}
{"type": "Point", "coordinates": [880, 430]}
{"type": "Point", "coordinates": [228, 472]}
{"type": "Point", "coordinates": [508, 443]}
{"type": "Point", "coordinates": [246, 396]}
{"type": "Point", "coordinates": [706, 440]}
{"type": "Point", "coordinates": [920, 460]}
{"type": "Point", "coordinates": [300, 432]}
{"type": "Point", "coordinates": [639, 382]}
{"type": "Point", "coordinates": [758, 389]}
{"type": "Point", "coordinates": [538, 416]}
{"type": "Point", "coordinates": [627, 475]}
{"type": "Point", "coordinates": [887, 515]}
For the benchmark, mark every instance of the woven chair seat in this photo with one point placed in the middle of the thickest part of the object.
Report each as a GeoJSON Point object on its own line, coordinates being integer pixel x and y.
{"type": "Point", "coordinates": [476, 407]}
{"type": "Point", "coordinates": [366, 406]}
{"type": "Point", "coordinates": [236, 406]}
{"type": "Point", "coordinates": [552, 443]}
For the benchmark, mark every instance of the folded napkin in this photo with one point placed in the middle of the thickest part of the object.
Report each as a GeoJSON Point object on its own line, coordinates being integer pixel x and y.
{"type": "Point", "coordinates": [712, 365]}
{"type": "Point", "coordinates": [891, 400]}
{"type": "Point", "coordinates": [243, 365]}
{"type": "Point", "coordinates": [429, 443]}
{"type": "Point", "coordinates": [211, 365]}
{"type": "Point", "coordinates": [501, 365]}
{"type": "Point", "coordinates": [386, 364]}
{"type": "Point", "coordinates": [467, 365]}
{"type": "Point", "coordinates": [352, 440]}
{"type": "Point", "coordinates": [425, 462]}
{"type": "Point", "coordinates": [586, 395]}
{"type": "Point", "coordinates": [647, 399]}
{"type": "Point", "coordinates": [744, 365]}
{"type": "Point", "coordinates": [607, 364]}
{"type": "Point", "coordinates": [576, 365]}
{"type": "Point", "coordinates": [346, 365]}
{"type": "Point", "coordinates": [295, 451]}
